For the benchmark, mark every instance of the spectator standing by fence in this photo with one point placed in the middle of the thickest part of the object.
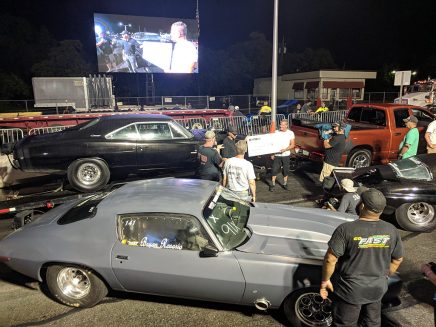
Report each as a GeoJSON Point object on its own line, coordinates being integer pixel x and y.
{"type": "Point", "coordinates": [238, 174]}
{"type": "Point", "coordinates": [363, 253]}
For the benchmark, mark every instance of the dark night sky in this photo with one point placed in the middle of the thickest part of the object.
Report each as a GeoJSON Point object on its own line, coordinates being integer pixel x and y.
{"type": "Point", "coordinates": [361, 34]}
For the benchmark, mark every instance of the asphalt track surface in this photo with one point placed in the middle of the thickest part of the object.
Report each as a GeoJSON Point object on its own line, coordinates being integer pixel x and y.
{"type": "Point", "coordinates": [23, 302]}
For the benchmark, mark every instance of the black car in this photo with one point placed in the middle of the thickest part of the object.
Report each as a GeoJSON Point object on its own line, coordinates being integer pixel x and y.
{"type": "Point", "coordinates": [409, 186]}
{"type": "Point", "coordinates": [113, 145]}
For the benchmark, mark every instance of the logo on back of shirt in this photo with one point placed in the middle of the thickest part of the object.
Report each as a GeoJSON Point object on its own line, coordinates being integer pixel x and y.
{"type": "Point", "coordinates": [374, 241]}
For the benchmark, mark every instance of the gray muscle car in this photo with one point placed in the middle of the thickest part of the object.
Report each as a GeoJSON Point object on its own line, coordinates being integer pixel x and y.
{"type": "Point", "coordinates": [183, 238]}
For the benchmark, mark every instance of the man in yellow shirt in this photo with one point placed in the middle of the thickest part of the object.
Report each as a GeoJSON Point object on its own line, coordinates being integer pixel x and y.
{"type": "Point", "coordinates": [323, 108]}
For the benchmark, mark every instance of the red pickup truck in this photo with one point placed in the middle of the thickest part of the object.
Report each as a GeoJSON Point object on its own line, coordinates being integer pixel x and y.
{"type": "Point", "coordinates": [376, 133]}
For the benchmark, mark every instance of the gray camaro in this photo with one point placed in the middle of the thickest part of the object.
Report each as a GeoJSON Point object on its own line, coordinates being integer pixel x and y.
{"type": "Point", "coordinates": [183, 238]}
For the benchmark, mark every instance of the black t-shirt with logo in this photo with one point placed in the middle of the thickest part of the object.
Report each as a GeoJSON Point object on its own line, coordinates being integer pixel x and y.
{"type": "Point", "coordinates": [209, 162]}
{"type": "Point", "coordinates": [365, 250]}
{"type": "Point", "coordinates": [333, 155]}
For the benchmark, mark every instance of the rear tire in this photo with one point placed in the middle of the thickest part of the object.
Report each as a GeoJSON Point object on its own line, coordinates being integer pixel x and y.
{"type": "Point", "coordinates": [75, 286]}
{"type": "Point", "coordinates": [359, 158]}
{"type": "Point", "coordinates": [305, 307]}
{"type": "Point", "coordinates": [416, 217]}
{"type": "Point", "coordinates": [88, 175]}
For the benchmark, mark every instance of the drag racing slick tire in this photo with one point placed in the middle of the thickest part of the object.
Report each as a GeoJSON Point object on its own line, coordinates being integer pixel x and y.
{"type": "Point", "coordinates": [359, 158]}
{"type": "Point", "coordinates": [75, 286]}
{"type": "Point", "coordinates": [416, 217]}
{"type": "Point", "coordinates": [305, 307]}
{"type": "Point", "coordinates": [88, 175]}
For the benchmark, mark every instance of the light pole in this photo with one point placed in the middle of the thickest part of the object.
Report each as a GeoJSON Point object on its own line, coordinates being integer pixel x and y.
{"type": "Point", "coordinates": [274, 68]}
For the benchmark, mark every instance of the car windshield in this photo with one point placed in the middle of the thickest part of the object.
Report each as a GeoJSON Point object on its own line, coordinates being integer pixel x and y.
{"type": "Point", "coordinates": [227, 216]}
{"type": "Point", "coordinates": [83, 125]}
{"type": "Point", "coordinates": [411, 168]}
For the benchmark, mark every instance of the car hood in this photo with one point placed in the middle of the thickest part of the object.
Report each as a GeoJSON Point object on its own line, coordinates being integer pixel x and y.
{"type": "Point", "coordinates": [291, 231]}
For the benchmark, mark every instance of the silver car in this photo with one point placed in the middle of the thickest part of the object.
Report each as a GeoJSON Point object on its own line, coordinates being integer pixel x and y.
{"type": "Point", "coordinates": [182, 238]}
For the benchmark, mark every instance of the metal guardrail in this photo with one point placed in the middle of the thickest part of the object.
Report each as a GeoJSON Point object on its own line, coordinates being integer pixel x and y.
{"type": "Point", "coordinates": [11, 135]}
{"type": "Point", "coordinates": [328, 117]}
{"type": "Point", "coordinates": [46, 130]}
{"type": "Point", "coordinates": [192, 123]}
{"type": "Point", "coordinates": [223, 123]}
{"type": "Point", "coordinates": [261, 124]}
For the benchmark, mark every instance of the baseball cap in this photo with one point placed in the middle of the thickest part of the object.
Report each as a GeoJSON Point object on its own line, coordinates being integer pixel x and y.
{"type": "Point", "coordinates": [411, 118]}
{"type": "Point", "coordinates": [232, 129]}
{"type": "Point", "coordinates": [125, 32]}
{"type": "Point", "coordinates": [338, 123]}
{"type": "Point", "coordinates": [348, 185]}
{"type": "Point", "coordinates": [209, 135]}
{"type": "Point", "coordinates": [374, 200]}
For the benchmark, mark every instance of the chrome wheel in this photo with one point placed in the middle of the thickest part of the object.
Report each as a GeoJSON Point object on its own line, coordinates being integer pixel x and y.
{"type": "Point", "coordinates": [420, 213]}
{"type": "Point", "coordinates": [360, 161]}
{"type": "Point", "coordinates": [89, 173]}
{"type": "Point", "coordinates": [73, 282]}
{"type": "Point", "coordinates": [313, 311]}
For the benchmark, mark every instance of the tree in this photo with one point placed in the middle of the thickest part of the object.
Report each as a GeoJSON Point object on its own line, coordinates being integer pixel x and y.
{"type": "Point", "coordinates": [66, 59]}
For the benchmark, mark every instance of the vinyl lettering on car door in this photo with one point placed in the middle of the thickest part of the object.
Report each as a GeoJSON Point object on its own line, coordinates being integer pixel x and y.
{"type": "Point", "coordinates": [159, 253]}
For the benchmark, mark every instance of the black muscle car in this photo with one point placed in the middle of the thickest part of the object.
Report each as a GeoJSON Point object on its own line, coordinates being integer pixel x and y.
{"type": "Point", "coordinates": [409, 186]}
{"type": "Point", "coordinates": [113, 145]}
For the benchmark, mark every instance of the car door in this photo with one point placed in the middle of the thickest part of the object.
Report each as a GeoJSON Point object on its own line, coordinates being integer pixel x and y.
{"type": "Point", "coordinates": [148, 152]}
{"type": "Point", "coordinates": [166, 145]}
{"type": "Point", "coordinates": [159, 253]}
{"type": "Point", "coordinates": [117, 148]}
{"type": "Point", "coordinates": [398, 131]}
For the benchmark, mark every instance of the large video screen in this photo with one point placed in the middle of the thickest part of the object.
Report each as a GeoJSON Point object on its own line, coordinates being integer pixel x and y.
{"type": "Point", "coordinates": [138, 44]}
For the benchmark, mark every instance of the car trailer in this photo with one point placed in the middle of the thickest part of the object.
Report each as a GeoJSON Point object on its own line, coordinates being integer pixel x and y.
{"type": "Point", "coordinates": [29, 208]}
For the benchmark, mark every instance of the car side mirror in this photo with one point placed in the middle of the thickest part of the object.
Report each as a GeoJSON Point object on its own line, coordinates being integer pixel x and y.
{"type": "Point", "coordinates": [209, 251]}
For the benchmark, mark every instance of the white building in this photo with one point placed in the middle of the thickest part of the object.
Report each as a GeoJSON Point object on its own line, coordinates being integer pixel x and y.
{"type": "Point", "coordinates": [328, 85]}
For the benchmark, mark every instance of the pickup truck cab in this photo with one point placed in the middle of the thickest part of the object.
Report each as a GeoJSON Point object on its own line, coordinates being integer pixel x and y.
{"type": "Point", "coordinates": [376, 133]}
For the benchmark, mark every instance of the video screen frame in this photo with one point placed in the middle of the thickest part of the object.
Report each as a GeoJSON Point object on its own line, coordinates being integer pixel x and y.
{"type": "Point", "coordinates": [140, 44]}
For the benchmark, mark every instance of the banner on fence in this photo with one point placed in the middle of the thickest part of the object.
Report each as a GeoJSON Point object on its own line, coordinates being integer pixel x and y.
{"type": "Point", "coordinates": [262, 144]}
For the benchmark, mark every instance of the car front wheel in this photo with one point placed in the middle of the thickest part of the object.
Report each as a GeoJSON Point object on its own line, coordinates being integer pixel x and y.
{"type": "Point", "coordinates": [88, 175]}
{"type": "Point", "coordinates": [305, 307]}
{"type": "Point", "coordinates": [416, 217]}
{"type": "Point", "coordinates": [75, 286]}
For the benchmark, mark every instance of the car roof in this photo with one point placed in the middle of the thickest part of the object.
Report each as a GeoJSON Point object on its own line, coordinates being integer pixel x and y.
{"type": "Point", "coordinates": [177, 195]}
{"type": "Point", "coordinates": [136, 117]}
{"type": "Point", "coordinates": [385, 105]}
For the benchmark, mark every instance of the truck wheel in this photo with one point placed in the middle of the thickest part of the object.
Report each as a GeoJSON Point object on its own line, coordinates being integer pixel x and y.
{"type": "Point", "coordinates": [359, 158]}
{"type": "Point", "coordinates": [88, 175]}
{"type": "Point", "coordinates": [75, 286]}
{"type": "Point", "coordinates": [416, 217]}
{"type": "Point", "coordinates": [305, 307]}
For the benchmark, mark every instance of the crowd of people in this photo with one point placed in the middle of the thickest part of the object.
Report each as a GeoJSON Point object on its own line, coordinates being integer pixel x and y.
{"type": "Point", "coordinates": [362, 253]}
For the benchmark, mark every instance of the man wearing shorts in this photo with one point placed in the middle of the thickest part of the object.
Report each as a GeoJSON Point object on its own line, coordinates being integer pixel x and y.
{"type": "Point", "coordinates": [281, 160]}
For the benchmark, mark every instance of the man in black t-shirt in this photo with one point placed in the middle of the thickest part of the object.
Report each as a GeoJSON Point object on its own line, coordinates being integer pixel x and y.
{"type": "Point", "coordinates": [334, 148]}
{"type": "Point", "coordinates": [229, 146]}
{"type": "Point", "coordinates": [362, 253]}
{"type": "Point", "coordinates": [210, 160]}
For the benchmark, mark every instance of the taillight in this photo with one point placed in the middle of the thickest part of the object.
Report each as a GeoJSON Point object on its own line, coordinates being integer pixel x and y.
{"type": "Point", "coordinates": [4, 259]}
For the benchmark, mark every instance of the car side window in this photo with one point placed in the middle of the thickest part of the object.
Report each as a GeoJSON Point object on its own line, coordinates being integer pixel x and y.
{"type": "Point", "coordinates": [399, 115]}
{"type": "Point", "coordinates": [163, 231]}
{"type": "Point", "coordinates": [355, 113]}
{"type": "Point", "coordinates": [154, 131]}
{"type": "Point", "coordinates": [126, 133]}
{"type": "Point", "coordinates": [373, 116]}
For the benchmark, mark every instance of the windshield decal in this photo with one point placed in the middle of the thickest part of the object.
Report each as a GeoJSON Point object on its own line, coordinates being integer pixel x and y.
{"type": "Point", "coordinates": [163, 244]}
